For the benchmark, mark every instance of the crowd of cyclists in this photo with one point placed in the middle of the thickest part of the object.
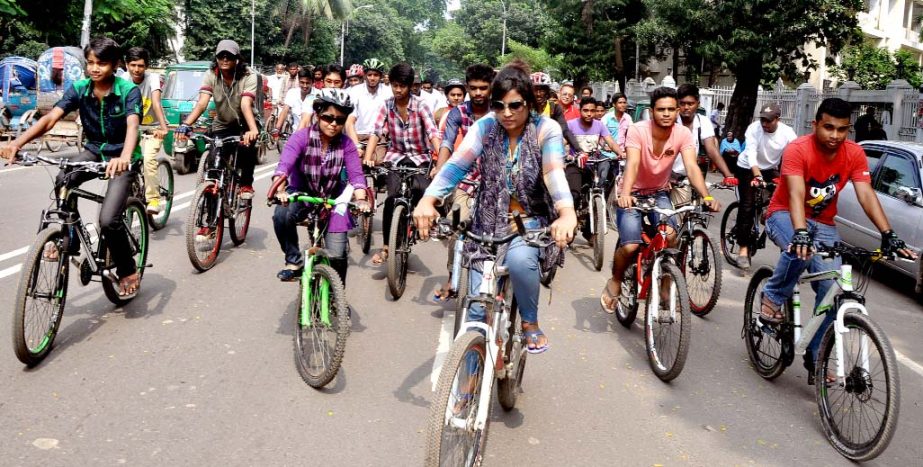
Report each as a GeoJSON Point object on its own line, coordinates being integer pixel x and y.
{"type": "Point", "coordinates": [494, 143]}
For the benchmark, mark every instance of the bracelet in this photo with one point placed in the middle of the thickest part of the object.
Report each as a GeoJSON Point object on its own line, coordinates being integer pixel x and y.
{"type": "Point", "coordinates": [708, 198]}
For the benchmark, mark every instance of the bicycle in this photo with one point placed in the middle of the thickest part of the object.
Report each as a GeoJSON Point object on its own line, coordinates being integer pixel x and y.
{"type": "Point", "coordinates": [403, 233]}
{"type": "Point", "coordinates": [322, 321]}
{"type": "Point", "coordinates": [482, 353]}
{"type": "Point", "coordinates": [701, 264]}
{"type": "Point", "coordinates": [63, 237]}
{"type": "Point", "coordinates": [594, 211]}
{"type": "Point", "coordinates": [216, 198]}
{"type": "Point", "coordinates": [458, 280]}
{"type": "Point", "coordinates": [729, 244]}
{"type": "Point", "coordinates": [365, 226]}
{"type": "Point", "coordinates": [165, 186]}
{"type": "Point", "coordinates": [286, 129]}
{"type": "Point", "coordinates": [847, 375]}
{"type": "Point", "coordinates": [657, 270]}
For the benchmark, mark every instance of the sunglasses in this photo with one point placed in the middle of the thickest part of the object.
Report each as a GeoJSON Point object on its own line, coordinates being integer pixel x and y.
{"type": "Point", "coordinates": [514, 106]}
{"type": "Point", "coordinates": [226, 56]}
{"type": "Point", "coordinates": [330, 119]}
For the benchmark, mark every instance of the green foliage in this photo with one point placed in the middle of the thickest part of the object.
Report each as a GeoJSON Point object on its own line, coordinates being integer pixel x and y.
{"type": "Point", "coordinates": [9, 7]}
{"type": "Point", "coordinates": [873, 68]}
{"type": "Point", "coordinates": [537, 59]}
{"type": "Point", "coordinates": [378, 32]}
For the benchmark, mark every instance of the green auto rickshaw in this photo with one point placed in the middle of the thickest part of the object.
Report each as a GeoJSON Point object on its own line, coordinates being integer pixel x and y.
{"type": "Point", "coordinates": [180, 93]}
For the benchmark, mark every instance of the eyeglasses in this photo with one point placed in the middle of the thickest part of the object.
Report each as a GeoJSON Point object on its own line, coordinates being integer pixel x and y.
{"type": "Point", "coordinates": [514, 106]}
{"type": "Point", "coordinates": [330, 119]}
{"type": "Point", "coordinates": [226, 56]}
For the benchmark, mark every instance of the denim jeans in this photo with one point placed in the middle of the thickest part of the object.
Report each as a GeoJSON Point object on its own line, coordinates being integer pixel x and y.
{"type": "Point", "coordinates": [784, 278]}
{"type": "Point", "coordinates": [285, 221]}
{"type": "Point", "coordinates": [523, 263]}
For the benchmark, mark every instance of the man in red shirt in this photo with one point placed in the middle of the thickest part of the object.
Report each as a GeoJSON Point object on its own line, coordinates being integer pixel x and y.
{"type": "Point", "coordinates": [567, 102]}
{"type": "Point", "coordinates": [815, 168]}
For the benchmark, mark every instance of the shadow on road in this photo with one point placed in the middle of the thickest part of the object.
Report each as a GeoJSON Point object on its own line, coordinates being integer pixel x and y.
{"type": "Point", "coordinates": [404, 392]}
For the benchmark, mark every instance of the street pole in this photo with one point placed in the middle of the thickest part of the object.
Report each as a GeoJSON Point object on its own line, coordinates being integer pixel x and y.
{"type": "Point", "coordinates": [503, 46]}
{"type": "Point", "coordinates": [637, 59]}
{"type": "Point", "coordinates": [85, 28]}
{"type": "Point", "coordinates": [252, 30]}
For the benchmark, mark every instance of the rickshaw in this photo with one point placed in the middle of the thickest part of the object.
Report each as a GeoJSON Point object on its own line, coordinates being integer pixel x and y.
{"type": "Point", "coordinates": [58, 69]}
{"type": "Point", "coordinates": [17, 95]}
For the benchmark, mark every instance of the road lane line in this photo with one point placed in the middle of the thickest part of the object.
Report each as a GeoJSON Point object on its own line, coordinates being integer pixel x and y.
{"type": "Point", "coordinates": [10, 270]}
{"type": "Point", "coordinates": [912, 365]}
{"type": "Point", "coordinates": [445, 343]}
{"type": "Point", "coordinates": [14, 253]}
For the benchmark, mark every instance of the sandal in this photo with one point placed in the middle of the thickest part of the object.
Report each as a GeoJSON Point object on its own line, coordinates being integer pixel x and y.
{"type": "Point", "coordinates": [380, 257]}
{"type": "Point", "coordinates": [129, 285]}
{"type": "Point", "coordinates": [290, 273]}
{"type": "Point", "coordinates": [444, 294]}
{"type": "Point", "coordinates": [770, 313]}
{"type": "Point", "coordinates": [532, 339]}
{"type": "Point", "coordinates": [609, 297]}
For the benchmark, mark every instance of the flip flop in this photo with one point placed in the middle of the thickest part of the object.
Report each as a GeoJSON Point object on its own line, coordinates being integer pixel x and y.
{"type": "Point", "coordinates": [532, 338]}
{"type": "Point", "coordinates": [131, 289]}
{"type": "Point", "coordinates": [607, 295]}
{"type": "Point", "coordinates": [380, 257]}
{"type": "Point", "coordinates": [442, 295]}
{"type": "Point", "coordinates": [770, 313]}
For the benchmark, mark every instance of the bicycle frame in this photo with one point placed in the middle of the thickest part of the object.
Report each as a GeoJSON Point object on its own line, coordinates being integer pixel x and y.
{"type": "Point", "coordinates": [310, 259]}
{"type": "Point", "coordinates": [596, 191]}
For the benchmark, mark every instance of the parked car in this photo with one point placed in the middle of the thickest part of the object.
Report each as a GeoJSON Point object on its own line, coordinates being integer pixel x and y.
{"type": "Point", "coordinates": [896, 177]}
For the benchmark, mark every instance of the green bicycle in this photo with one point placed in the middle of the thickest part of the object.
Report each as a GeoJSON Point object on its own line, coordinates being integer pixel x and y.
{"type": "Point", "coordinates": [322, 321]}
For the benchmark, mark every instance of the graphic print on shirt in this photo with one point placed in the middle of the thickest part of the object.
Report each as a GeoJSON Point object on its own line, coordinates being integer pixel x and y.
{"type": "Point", "coordinates": [821, 194]}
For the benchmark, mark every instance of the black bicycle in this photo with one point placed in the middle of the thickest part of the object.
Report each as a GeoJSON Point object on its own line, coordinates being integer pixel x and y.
{"type": "Point", "coordinates": [592, 216]}
{"type": "Point", "coordinates": [730, 245]}
{"type": "Point", "coordinates": [64, 237]}
{"type": "Point", "coordinates": [403, 233]}
{"type": "Point", "coordinates": [216, 198]}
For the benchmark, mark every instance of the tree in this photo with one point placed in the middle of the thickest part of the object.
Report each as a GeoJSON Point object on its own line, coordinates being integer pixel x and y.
{"type": "Point", "coordinates": [873, 67]}
{"type": "Point", "coordinates": [747, 34]}
{"type": "Point", "coordinates": [377, 32]}
{"type": "Point", "coordinates": [482, 23]}
{"type": "Point", "coordinates": [537, 59]}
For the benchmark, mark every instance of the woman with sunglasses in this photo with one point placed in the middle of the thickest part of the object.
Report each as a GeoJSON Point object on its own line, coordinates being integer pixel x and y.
{"type": "Point", "coordinates": [311, 163]}
{"type": "Point", "coordinates": [521, 157]}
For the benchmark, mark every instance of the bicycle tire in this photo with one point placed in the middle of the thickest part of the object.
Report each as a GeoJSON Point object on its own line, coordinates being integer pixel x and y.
{"type": "Point", "coordinates": [767, 363]}
{"type": "Point", "coordinates": [437, 448]}
{"type": "Point", "coordinates": [31, 350]}
{"type": "Point", "coordinates": [599, 237]}
{"type": "Point", "coordinates": [702, 271]}
{"type": "Point", "coordinates": [860, 389]}
{"type": "Point", "coordinates": [461, 295]}
{"type": "Point", "coordinates": [397, 259]}
{"type": "Point", "coordinates": [140, 237]}
{"type": "Point", "coordinates": [239, 223]}
{"type": "Point", "coordinates": [339, 320]}
{"type": "Point", "coordinates": [508, 388]}
{"type": "Point", "coordinates": [626, 313]}
{"type": "Point", "coordinates": [165, 176]}
{"type": "Point", "coordinates": [729, 246]}
{"type": "Point", "coordinates": [205, 209]}
{"type": "Point", "coordinates": [664, 368]}
{"type": "Point", "coordinates": [200, 169]}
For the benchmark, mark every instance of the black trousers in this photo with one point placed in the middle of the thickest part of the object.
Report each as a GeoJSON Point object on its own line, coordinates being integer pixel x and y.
{"type": "Point", "coordinates": [418, 184]}
{"type": "Point", "coordinates": [246, 155]}
{"type": "Point", "coordinates": [748, 203]}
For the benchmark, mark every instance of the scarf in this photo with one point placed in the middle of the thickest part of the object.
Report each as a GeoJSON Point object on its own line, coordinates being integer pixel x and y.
{"type": "Point", "coordinates": [322, 168]}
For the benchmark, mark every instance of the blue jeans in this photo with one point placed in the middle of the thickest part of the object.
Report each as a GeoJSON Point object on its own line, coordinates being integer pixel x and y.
{"type": "Point", "coordinates": [784, 278]}
{"type": "Point", "coordinates": [523, 263]}
{"type": "Point", "coordinates": [630, 221]}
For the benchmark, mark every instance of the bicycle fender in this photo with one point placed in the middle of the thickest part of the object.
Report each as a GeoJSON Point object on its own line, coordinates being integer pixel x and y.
{"type": "Point", "coordinates": [673, 253]}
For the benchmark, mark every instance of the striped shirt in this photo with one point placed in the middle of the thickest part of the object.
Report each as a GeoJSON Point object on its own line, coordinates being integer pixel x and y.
{"type": "Point", "coordinates": [464, 158]}
{"type": "Point", "coordinates": [410, 139]}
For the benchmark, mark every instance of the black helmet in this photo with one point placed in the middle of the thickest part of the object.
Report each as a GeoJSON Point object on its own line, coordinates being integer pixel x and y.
{"type": "Point", "coordinates": [336, 97]}
{"type": "Point", "coordinates": [455, 83]}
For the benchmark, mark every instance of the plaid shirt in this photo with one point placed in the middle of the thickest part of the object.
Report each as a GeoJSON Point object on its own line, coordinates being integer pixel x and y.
{"type": "Point", "coordinates": [408, 139]}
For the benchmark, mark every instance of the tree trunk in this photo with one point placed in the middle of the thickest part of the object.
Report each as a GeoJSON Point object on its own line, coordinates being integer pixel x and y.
{"type": "Point", "coordinates": [743, 101]}
{"type": "Point", "coordinates": [291, 30]}
{"type": "Point", "coordinates": [308, 28]}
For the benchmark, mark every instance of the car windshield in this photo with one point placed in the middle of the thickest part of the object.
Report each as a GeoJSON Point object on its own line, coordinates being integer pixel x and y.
{"type": "Point", "coordinates": [183, 84]}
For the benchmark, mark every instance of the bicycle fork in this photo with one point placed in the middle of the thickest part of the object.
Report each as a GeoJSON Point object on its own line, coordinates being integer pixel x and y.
{"type": "Point", "coordinates": [307, 292]}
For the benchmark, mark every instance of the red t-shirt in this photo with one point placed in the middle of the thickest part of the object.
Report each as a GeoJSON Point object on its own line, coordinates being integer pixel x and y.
{"type": "Point", "coordinates": [823, 179]}
{"type": "Point", "coordinates": [571, 112]}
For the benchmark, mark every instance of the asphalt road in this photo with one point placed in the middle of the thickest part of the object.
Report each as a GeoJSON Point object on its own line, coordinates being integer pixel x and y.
{"type": "Point", "coordinates": [198, 369]}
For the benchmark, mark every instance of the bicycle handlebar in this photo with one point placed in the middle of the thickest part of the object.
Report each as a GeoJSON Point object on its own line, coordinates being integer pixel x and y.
{"type": "Point", "coordinates": [646, 206]}
{"type": "Point", "coordinates": [841, 249]}
{"type": "Point", "coordinates": [28, 160]}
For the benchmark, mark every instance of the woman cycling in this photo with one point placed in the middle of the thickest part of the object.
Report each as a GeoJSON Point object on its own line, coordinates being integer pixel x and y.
{"type": "Point", "coordinates": [311, 163]}
{"type": "Point", "coordinates": [521, 157]}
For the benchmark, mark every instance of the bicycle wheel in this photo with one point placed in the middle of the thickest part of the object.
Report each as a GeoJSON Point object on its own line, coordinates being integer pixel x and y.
{"type": "Point", "coordinates": [764, 343]}
{"type": "Point", "coordinates": [136, 220]}
{"type": "Point", "coordinates": [599, 238]}
{"type": "Point", "coordinates": [204, 227]}
{"type": "Point", "coordinates": [399, 241]}
{"type": "Point", "coordinates": [40, 296]}
{"type": "Point", "coordinates": [451, 437]}
{"type": "Point", "coordinates": [239, 222]}
{"type": "Point", "coordinates": [702, 269]}
{"type": "Point", "coordinates": [319, 347]}
{"type": "Point", "coordinates": [667, 329]}
{"type": "Point", "coordinates": [859, 418]}
{"type": "Point", "coordinates": [729, 246]}
{"type": "Point", "coordinates": [165, 177]}
{"type": "Point", "coordinates": [508, 388]}
{"type": "Point", "coordinates": [627, 309]}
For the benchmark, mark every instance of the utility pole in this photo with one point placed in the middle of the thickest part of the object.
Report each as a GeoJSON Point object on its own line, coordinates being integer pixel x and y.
{"type": "Point", "coordinates": [503, 46]}
{"type": "Point", "coordinates": [85, 28]}
{"type": "Point", "coordinates": [252, 30]}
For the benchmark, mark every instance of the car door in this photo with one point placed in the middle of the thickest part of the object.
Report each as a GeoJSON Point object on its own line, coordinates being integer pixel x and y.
{"type": "Point", "coordinates": [853, 225]}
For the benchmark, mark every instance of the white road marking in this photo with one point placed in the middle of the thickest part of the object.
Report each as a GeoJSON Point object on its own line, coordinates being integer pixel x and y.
{"type": "Point", "coordinates": [14, 253]}
{"type": "Point", "coordinates": [10, 270]}
{"type": "Point", "coordinates": [445, 344]}
{"type": "Point", "coordinates": [912, 365]}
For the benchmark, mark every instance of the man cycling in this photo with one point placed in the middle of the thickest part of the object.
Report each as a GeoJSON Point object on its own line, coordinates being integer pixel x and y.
{"type": "Point", "coordinates": [152, 115]}
{"type": "Point", "coordinates": [566, 101]}
{"type": "Point", "coordinates": [652, 147]}
{"type": "Point", "coordinates": [233, 88]}
{"type": "Point", "coordinates": [354, 76]}
{"type": "Point", "coordinates": [408, 122]}
{"type": "Point", "coordinates": [110, 110]}
{"type": "Point", "coordinates": [367, 101]}
{"type": "Point", "coordinates": [297, 102]}
{"type": "Point", "coordinates": [766, 139]}
{"type": "Point", "coordinates": [815, 168]}
{"type": "Point", "coordinates": [541, 85]}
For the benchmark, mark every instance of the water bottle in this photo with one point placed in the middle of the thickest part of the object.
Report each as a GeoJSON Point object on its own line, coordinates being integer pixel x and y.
{"type": "Point", "coordinates": [456, 265]}
{"type": "Point", "coordinates": [93, 234]}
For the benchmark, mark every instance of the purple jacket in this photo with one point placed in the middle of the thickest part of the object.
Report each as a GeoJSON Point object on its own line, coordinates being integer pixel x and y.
{"type": "Point", "coordinates": [291, 160]}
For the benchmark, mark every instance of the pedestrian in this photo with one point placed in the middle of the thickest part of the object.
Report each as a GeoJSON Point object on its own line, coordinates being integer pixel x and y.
{"type": "Point", "coordinates": [864, 123]}
{"type": "Point", "coordinates": [730, 148]}
{"type": "Point", "coordinates": [714, 116]}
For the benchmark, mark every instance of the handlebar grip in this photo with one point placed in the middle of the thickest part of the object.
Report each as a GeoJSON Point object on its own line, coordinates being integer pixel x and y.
{"type": "Point", "coordinates": [271, 194]}
{"type": "Point", "coordinates": [517, 218]}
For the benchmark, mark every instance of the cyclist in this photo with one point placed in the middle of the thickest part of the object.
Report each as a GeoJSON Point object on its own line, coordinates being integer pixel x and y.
{"type": "Point", "coordinates": [275, 83]}
{"type": "Point", "coordinates": [289, 81]}
{"type": "Point", "coordinates": [600, 110]}
{"type": "Point", "coordinates": [408, 123]}
{"type": "Point", "coordinates": [334, 76]}
{"type": "Point", "coordinates": [542, 85]}
{"type": "Point", "coordinates": [312, 163]}
{"type": "Point", "coordinates": [457, 123]}
{"type": "Point", "coordinates": [434, 99]}
{"type": "Point", "coordinates": [617, 121]}
{"type": "Point", "coordinates": [455, 95]}
{"type": "Point", "coordinates": [521, 158]}
{"type": "Point", "coordinates": [233, 88]}
{"type": "Point", "coordinates": [355, 75]}
{"type": "Point", "coordinates": [585, 92]}
{"type": "Point", "coordinates": [566, 101]}
{"type": "Point", "coordinates": [766, 139]}
{"type": "Point", "coordinates": [652, 147]}
{"type": "Point", "coordinates": [815, 168]}
{"type": "Point", "coordinates": [110, 110]}
{"type": "Point", "coordinates": [319, 73]}
{"type": "Point", "coordinates": [148, 83]}
{"type": "Point", "coordinates": [367, 101]}
{"type": "Point", "coordinates": [297, 103]}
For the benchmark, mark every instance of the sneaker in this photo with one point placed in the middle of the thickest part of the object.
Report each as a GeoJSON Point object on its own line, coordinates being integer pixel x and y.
{"type": "Point", "coordinates": [246, 192]}
{"type": "Point", "coordinates": [153, 207]}
{"type": "Point", "coordinates": [203, 238]}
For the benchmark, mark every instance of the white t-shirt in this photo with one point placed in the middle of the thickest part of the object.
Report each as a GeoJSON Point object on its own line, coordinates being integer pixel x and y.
{"type": "Point", "coordinates": [297, 105]}
{"type": "Point", "coordinates": [147, 87]}
{"type": "Point", "coordinates": [435, 100]}
{"type": "Point", "coordinates": [701, 129]}
{"type": "Point", "coordinates": [765, 149]}
{"type": "Point", "coordinates": [366, 106]}
{"type": "Point", "coordinates": [275, 85]}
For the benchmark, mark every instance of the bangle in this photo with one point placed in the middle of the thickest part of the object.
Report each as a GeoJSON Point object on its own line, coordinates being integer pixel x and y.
{"type": "Point", "coordinates": [708, 198]}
